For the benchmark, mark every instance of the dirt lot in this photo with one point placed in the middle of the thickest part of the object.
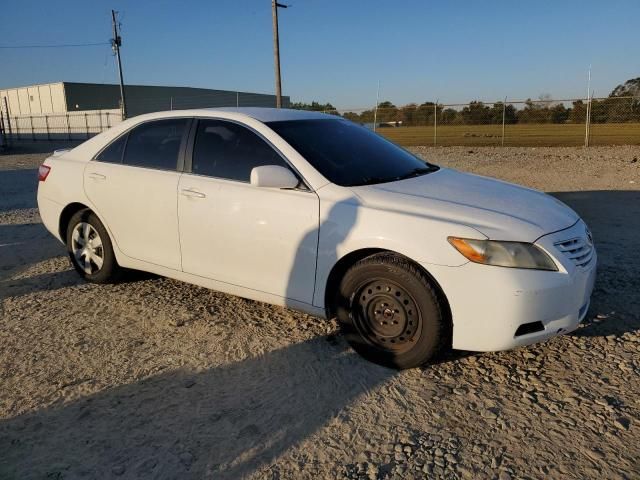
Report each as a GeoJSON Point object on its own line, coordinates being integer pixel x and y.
{"type": "Point", "coordinates": [154, 378]}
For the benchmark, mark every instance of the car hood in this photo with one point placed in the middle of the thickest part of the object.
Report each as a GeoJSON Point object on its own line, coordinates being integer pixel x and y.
{"type": "Point", "coordinates": [497, 209]}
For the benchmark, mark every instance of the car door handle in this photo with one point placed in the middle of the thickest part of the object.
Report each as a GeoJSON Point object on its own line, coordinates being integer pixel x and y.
{"type": "Point", "coordinates": [188, 192]}
{"type": "Point", "coordinates": [97, 176]}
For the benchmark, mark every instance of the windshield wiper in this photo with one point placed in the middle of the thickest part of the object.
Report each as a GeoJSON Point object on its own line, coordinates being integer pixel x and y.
{"type": "Point", "coordinates": [416, 172]}
{"type": "Point", "coordinates": [373, 180]}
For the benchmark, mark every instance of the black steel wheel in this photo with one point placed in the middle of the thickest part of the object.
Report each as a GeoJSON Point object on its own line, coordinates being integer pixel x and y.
{"type": "Point", "coordinates": [386, 314]}
{"type": "Point", "coordinates": [390, 312]}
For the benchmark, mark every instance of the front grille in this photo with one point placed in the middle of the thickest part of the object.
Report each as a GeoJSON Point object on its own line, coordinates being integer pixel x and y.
{"type": "Point", "coordinates": [577, 249]}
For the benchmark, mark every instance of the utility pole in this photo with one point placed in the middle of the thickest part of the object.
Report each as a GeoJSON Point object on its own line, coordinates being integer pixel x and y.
{"type": "Point", "coordinates": [276, 50]}
{"type": "Point", "coordinates": [116, 41]}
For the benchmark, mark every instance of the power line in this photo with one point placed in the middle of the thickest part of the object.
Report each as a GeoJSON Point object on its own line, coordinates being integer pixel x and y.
{"type": "Point", "coordinates": [64, 45]}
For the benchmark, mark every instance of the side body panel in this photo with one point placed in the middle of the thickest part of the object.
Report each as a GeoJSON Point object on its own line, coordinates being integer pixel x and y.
{"type": "Point", "coordinates": [224, 287]}
{"type": "Point", "coordinates": [140, 207]}
{"type": "Point", "coordinates": [260, 238]}
{"type": "Point", "coordinates": [346, 225]}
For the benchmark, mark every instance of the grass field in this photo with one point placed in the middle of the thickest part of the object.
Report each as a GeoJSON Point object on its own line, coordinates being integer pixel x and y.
{"type": "Point", "coordinates": [523, 135]}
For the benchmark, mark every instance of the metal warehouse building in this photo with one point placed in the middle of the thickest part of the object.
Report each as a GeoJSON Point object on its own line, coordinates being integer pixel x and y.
{"type": "Point", "coordinates": [67, 97]}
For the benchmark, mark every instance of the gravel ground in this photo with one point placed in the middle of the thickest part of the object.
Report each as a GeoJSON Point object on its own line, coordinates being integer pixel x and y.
{"type": "Point", "coordinates": [155, 378]}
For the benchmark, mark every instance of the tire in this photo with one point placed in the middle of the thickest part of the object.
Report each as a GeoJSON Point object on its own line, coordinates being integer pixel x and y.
{"type": "Point", "coordinates": [96, 263]}
{"type": "Point", "coordinates": [390, 313]}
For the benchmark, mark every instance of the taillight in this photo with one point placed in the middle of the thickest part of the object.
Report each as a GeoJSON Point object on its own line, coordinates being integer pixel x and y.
{"type": "Point", "coordinates": [43, 172]}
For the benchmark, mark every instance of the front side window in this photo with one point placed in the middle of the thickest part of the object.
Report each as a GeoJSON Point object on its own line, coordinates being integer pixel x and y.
{"type": "Point", "coordinates": [155, 144]}
{"type": "Point", "coordinates": [230, 151]}
{"type": "Point", "coordinates": [113, 153]}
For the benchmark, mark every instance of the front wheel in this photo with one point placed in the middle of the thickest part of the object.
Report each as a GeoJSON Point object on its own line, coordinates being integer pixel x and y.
{"type": "Point", "coordinates": [90, 249]}
{"type": "Point", "coordinates": [390, 313]}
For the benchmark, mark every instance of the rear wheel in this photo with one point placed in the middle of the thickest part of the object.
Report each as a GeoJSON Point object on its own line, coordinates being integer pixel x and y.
{"type": "Point", "coordinates": [390, 313]}
{"type": "Point", "coordinates": [90, 248]}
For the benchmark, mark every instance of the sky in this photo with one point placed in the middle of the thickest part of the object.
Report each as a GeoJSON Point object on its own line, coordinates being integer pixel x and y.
{"type": "Point", "coordinates": [334, 50]}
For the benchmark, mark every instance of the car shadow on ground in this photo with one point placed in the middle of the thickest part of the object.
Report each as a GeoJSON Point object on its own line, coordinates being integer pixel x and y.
{"type": "Point", "coordinates": [614, 218]}
{"type": "Point", "coordinates": [225, 422]}
{"type": "Point", "coordinates": [23, 247]}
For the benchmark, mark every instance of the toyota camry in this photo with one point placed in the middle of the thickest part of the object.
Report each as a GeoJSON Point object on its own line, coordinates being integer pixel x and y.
{"type": "Point", "coordinates": [316, 213]}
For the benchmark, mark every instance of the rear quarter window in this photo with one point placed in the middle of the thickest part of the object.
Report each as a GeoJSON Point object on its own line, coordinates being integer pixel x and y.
{"type": "Point", "coordinates": [155, 144]}
{"type": "Point", "coordinates": [113, 153]}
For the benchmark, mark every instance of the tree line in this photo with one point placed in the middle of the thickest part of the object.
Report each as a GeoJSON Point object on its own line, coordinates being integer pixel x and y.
{"type": "Point", "coordinates": [622, 106]}
{"type": "Point", "coordinates": [608, 110]}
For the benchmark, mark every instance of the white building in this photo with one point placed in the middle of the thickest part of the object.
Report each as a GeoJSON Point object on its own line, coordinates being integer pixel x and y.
{"type": "Point", "coordinates": [66, 97]}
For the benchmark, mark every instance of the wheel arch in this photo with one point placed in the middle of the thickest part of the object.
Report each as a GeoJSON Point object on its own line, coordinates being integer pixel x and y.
{"type": "Point", "coordinates": [348, 260]}
{"type": "Point", "coordinates": [65, 216]}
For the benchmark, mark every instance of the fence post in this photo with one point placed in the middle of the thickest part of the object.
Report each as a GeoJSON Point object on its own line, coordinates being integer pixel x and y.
{"type": "Point", "coordinates": [588, 121]}
{"type": "Point", "coordinates": [504, 112]}
{"type": "Point", "coordinates": [68, 127]}
{"type": "Point", "coordinates": [237, 99]}
{"type": "Point", "coordinates": [100, 120]}
{"type": "Point", "coordinates": [33, 133]}
{"type": "Point", "coordinates": [375, 117]}
{"type": "Point", "coordinates": [586, 125]}
{"type": "Point", "coordinates": [435, 124]}
{"type": "Point", "coordinates": [375, 112]}
{"type": "Point", "coordinates": [6, 107]}
{"type": "Point", "coordinates": [86, 125]}
{"type": "Point", "coordinates": [108, 119]}
{"type": "Point", "coordinates": [170, 103]}
{"type": "Point", "coordinates": [2, 130]}
{"type": "Point", "coordinates": [46, 122]}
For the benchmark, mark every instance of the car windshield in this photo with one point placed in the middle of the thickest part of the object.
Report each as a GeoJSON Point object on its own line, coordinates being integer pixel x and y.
{"type": "Point", "coordinates": [348, 154]}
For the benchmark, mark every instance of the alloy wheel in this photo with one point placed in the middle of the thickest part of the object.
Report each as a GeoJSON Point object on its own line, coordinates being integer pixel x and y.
{"type": "Point", "coordinates": [87, 248]}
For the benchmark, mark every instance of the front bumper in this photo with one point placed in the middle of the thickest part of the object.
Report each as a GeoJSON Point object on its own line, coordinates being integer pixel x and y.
{"type": "Point", "coordinates": [489, 305]}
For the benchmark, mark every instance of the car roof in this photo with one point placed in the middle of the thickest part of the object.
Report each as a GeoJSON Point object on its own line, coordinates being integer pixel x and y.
{"type": "Point", "coordinates": [260, 114]}
{"type": "Point", "coordinates": [272, 114]}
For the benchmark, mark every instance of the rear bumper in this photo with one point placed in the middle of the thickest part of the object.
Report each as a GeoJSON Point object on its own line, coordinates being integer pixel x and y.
{"type": "Point", "coordinates": [490, 305]}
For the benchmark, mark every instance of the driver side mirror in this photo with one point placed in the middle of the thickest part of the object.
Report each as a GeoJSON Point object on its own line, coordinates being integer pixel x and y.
{"type": "Point", "coordinates": [273, 176]}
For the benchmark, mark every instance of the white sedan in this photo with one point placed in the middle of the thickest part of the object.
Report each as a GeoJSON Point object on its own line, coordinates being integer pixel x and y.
{"type": "Point", "coordinates": [316, 213]}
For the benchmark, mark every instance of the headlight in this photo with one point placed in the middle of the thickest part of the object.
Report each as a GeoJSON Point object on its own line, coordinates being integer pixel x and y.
{"type": "Point", "coordinates": [503, 254]}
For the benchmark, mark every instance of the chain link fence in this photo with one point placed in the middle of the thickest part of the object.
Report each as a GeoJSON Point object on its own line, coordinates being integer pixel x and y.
{"type": "Point", "coordinates": [81, 125]}
{"type": "Point", "coordinates": [545, 122]}
{"type": "Point", "coordinates": [568, 122]}
{"type": "Point", "coordinates": [71, 126]}
{"type": "Point", "coordinates": [137, 105]}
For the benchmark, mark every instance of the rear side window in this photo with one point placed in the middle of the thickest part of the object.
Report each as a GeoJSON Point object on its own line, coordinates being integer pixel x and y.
{"type": "Point", "coordinates": [230, 151]}
{"type": "Point", "coordinates": [113, 153]}
{"type": "Point", "coordinates": [155, 144]}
